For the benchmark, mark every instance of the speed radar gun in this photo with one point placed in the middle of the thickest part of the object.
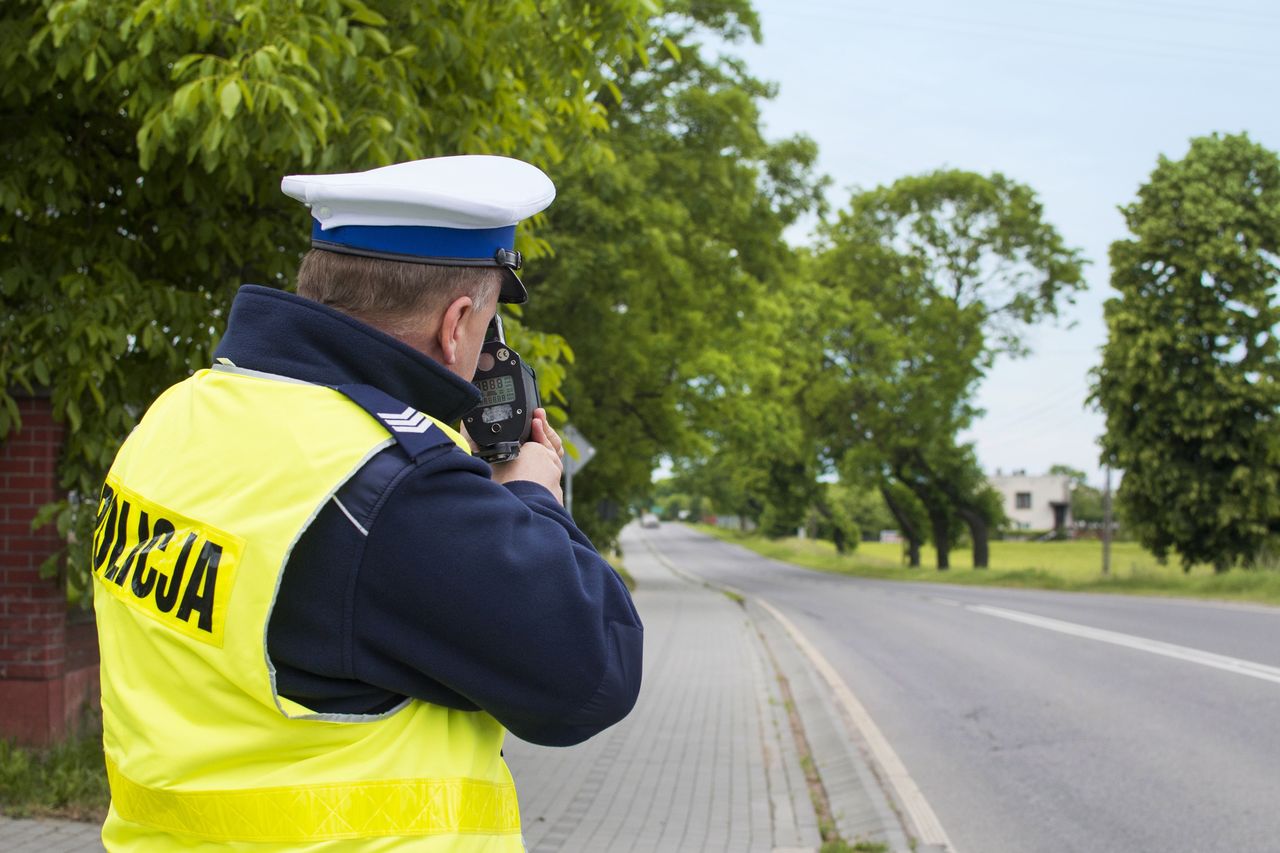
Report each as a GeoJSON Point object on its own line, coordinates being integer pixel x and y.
{"type": "Point", "coordinates": [508, 395]}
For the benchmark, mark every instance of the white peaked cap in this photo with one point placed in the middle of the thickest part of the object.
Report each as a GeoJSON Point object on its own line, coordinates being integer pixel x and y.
{"type": "Point", "coordinates": [467, 191]}
{"type": "Point", "coordinates": [452, 211]}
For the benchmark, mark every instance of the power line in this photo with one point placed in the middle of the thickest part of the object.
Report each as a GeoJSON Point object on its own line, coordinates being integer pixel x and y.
{"type": "Point", "coordinates": [1138, 9]}
{"type": "Point", "coordinates": [1179, 11]}
{"type": "Point", "coordinates": [1125, 45]}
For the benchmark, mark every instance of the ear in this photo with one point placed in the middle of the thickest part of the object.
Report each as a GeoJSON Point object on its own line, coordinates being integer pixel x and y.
{"type": "Point", "coordinates": [451, 326]}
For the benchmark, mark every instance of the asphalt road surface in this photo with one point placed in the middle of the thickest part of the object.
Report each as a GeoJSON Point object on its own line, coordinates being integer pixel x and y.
{"type": "Point", "coordinates": [1040, 721]}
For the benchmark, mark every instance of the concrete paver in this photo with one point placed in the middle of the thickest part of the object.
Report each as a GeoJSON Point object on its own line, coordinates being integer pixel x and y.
{"type": "Point", "coordinates": [46, 835]}
{"type": "Point", "coordinates": [705, 762]}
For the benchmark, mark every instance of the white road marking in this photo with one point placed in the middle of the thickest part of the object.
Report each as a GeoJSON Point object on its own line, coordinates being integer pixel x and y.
{"type": "Point", "coordinates": [1129, 641]}
{"type": "Point", "coordinates": [913, 801]}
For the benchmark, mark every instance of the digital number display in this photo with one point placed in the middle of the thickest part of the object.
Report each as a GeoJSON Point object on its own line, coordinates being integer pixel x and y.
{"type": "Point", "coordinates": [499, 389]}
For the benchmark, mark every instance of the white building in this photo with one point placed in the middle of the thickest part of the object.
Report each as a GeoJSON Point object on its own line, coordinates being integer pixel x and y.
{"type": "Point", "coordinates": [1035, 502]}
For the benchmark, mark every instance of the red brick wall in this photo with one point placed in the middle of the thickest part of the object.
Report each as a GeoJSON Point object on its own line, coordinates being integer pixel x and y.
{"type": "Point", "coordinates": [35, 700]}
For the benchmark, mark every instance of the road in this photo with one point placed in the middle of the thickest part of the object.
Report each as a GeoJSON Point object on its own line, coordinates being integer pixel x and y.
{"type": "Point", "coordinates": [1040, 721]}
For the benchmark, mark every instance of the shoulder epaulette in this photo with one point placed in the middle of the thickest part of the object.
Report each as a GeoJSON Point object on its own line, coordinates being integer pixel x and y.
{"type": "Point", "coordinates": [416, 433]}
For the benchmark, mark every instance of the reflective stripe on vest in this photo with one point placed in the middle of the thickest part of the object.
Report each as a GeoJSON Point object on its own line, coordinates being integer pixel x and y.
{"type": "Point", "coordinates": [322, 812]}
{"type": "Point", "coordinates": [202, 507]}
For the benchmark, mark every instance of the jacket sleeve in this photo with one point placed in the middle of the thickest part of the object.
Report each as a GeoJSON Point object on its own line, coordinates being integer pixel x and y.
{"type": "Point", "coordinates": [493, 593]}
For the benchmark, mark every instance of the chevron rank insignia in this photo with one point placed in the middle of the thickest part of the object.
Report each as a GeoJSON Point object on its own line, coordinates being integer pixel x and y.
{"type": "Point", "coordinates": [410, 420]}
{"type": "Point", "coordinates": [415, 432]}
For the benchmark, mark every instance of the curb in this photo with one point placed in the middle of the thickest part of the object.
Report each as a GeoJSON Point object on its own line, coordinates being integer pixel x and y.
{"type": "Point", "coordinates": [859, 804]}
{"type": "Point", "coordinates": [871, 796]}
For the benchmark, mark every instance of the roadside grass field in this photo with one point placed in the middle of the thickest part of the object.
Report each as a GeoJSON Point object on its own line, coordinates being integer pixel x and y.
{"type": "Point", "coordinates": [1073, 565]}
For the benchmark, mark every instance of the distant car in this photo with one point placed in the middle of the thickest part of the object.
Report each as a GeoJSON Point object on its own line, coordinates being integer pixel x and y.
{"type": "Point", "coordinates": [648, 520]}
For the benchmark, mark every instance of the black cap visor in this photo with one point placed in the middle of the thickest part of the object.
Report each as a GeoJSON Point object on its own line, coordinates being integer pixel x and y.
{"type": "Point", "coordinates": [512, 291]}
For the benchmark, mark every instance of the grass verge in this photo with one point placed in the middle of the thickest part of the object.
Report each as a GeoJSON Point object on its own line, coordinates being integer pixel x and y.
{"type": "Point", "coordinates": [67, 780]}
{"type": "Point", "coordinates": [1073, 566]}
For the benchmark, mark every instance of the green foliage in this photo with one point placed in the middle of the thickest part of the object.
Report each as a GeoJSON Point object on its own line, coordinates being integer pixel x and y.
{"type": "Point", "coordinates": [1189, 375]}
{"type": "Point", "coordinates": [928, 280]}
{"type": "Point", "coordinates": [841, 514]}
{"type": "Point", "coordinates": [674, 502]}
{"type": "Point", "coordinates": [842, 846]}
{"type": "Point", "coordinates": [981, 242]}
{"type": "Point", "coordinates": [1086, 501]}
{"type": "Point", "coordinates": [67, 779]}
{"type": "Point", "coordinates": [663, 268]}
{"type": "Point", "coordinates": [146, 142]}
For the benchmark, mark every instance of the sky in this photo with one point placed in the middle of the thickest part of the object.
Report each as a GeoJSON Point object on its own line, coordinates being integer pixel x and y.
{"type": "Point", "coordinates": [1075, 98]}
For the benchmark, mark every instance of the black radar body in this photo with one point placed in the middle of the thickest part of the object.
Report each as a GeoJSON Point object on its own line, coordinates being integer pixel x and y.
{"type": "Point", "coordinates": [508, 395]}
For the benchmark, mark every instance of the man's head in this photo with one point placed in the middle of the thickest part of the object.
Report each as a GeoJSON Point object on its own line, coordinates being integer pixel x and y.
{"type": "Point", "coordinates": [440, 311]}
{"type": "Point", "coordinates": [422, 250]}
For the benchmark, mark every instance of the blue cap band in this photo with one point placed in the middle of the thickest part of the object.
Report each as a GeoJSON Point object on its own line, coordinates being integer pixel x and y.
{"type": "Point", "coordinates": [420, 241]}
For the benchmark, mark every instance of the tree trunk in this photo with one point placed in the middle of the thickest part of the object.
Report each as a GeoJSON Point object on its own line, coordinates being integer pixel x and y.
{"type": "Point", "coordinates": [909, 531]}
{"type": "Point", "coordinates": [939, 521]}
{"type": "Point", "coordinates": [941, 525]}
{"type": "Point", "coordinates": [837, 535]}
{"type": "Point", "coordinates": [979, 533]}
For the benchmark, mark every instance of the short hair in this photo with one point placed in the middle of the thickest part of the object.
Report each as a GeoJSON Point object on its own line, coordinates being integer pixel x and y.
{"type": "Point", "coordinates": [390, 295]}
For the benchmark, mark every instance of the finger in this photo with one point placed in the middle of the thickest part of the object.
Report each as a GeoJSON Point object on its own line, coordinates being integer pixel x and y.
{"type": "Point", "coordinates": [556, 444]}
{"type": "Point", "coordinates": [539, 435]}
{"type": "Point", "coordinates": [544, 434]}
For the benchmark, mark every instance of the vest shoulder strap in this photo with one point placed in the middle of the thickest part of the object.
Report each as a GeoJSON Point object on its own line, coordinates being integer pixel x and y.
{"type": "Point", "coordinates": [416, 433]}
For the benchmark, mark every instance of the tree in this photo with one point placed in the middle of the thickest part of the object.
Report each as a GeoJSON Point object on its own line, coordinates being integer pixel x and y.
{"type": "Point", "coordinates": [908, 514]}
{"type": "Point", "coordinates": [956, 474]}
{"type": "Point", "coordinates": [833, 516]}
{"type": "Point", "coordinates": [1189, 373]}
{"type": "Point", "coordinates": [867, 510]}
{"type": "Point", "coordinates": [664, 262]}
{"type": "Point", "coordinates": [146, 140]}
{"type": "Point", "coordinates": [940, 273]}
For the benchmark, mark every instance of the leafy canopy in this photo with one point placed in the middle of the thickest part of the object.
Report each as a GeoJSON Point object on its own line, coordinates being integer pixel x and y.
{"type": "Point", "coordinates": [665, 264]}
{"type": "Point", "coordinates": [929, 279]}
{"type": "Point", "coordinates": [146, 142]}
{"type": "Point", "coordinates": [1190, 374]}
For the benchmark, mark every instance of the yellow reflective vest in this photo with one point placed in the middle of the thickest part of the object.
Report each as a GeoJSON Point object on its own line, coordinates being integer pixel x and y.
{"type": "Point", "coordinates": [196, 521]}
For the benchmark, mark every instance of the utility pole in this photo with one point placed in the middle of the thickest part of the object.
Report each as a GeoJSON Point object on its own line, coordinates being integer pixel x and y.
{"type": "Point", "coordinates": [583, 451]}
{"type": "Point", "coordinates": [568, 490]}
{"type": "Point", "coordinates": [1106, 525]}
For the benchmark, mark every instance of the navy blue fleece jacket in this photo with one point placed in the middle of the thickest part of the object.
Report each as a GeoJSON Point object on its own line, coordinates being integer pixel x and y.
{"type": "Point", "coordinates": [427, 579]}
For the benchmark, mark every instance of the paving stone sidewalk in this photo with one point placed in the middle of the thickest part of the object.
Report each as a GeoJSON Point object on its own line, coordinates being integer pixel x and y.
{"type": "Point", "coordinates": [705, 762]}
{"type": "Point", "coordinates": [40, 835]}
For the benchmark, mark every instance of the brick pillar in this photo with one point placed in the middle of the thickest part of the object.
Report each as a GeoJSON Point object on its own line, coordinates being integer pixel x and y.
{"type": "Point", "coordinates": [40, 695]}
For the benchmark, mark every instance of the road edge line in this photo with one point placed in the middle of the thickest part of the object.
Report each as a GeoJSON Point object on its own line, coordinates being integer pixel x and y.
{"type": "Point", "coordinates": [925, 821]}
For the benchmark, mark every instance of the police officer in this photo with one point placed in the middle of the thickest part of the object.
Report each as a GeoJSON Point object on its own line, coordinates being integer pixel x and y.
{"type": "Point", "coordinates": [318, 613]}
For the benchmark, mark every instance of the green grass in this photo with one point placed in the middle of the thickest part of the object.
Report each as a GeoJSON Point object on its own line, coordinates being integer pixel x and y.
{"type": "Point", "coordinates": [1075, 565]}
{"type": "Point", "coordinates": [841, 846]}
{"type": "Point", "coordinates": [67, 780]}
